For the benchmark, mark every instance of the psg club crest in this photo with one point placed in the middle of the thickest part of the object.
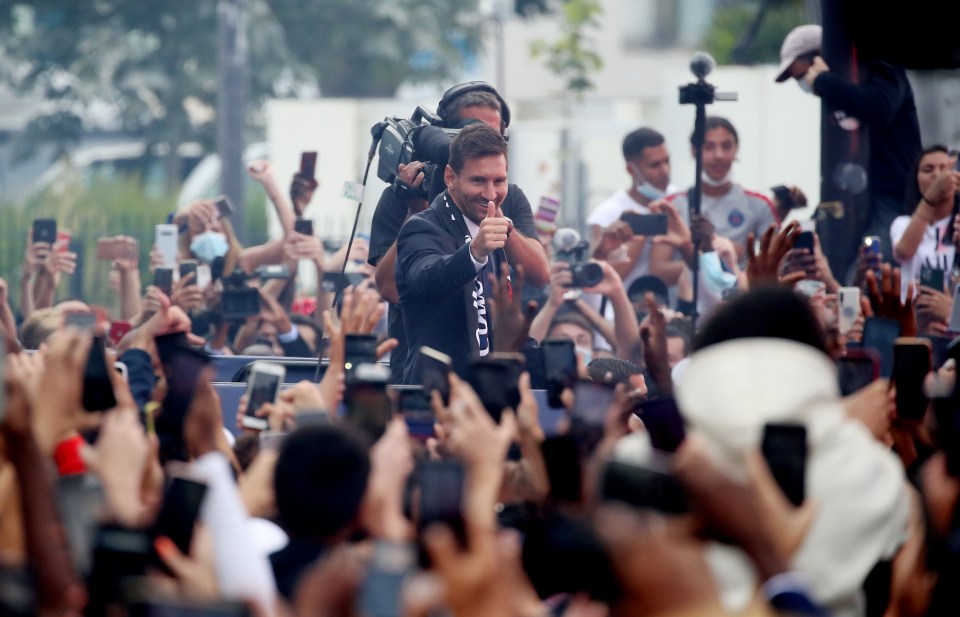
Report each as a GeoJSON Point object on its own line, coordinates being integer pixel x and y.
{"type": "Point", "coordinates": [736, 218]}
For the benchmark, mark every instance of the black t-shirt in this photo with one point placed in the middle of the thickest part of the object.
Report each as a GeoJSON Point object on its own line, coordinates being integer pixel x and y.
{"type": "Point", "coordinates": [388, 218]}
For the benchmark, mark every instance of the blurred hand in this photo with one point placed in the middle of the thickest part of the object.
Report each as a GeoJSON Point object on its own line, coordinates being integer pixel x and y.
{"type": "Point", "coordinates": [934, 304]}
{"type": "Point", "coordinates": [945, 185]}
{"type": "Point", "coordinates": [301, 192]}
{"type": "Point", "coordinates": [300, 247]}
{"type": "Point", "coordinates": [511, 318]}
{"type": "Point", "coordinates": [187, 295]}
{"type": "Point", "coordinates": [35, 257]}
{"type": "Point", "coordinates": [120, 456]}
{"type": "Point", "coordinates": [201, 428]}
{"type": "Point", "coordinates": [702, 231]}
{"type": "Point", "coordinates": [763, 266]}
{"type": "Point", "coordinates": [304, 396]}
{"type": "Point", "coordinates": [391, 462]}
{"type": "Point", "coordinates": [131, 248]}
{"type": "Point", "coordinates": [678, 233]}
{"type": "Point", "coordinates": [197, 215]}
{"type": "Point", "coordinates": [256, 485]}
{"type": "Point", "coordinates": [613, 237]}
{"type": "Point", "coordinates": [261, 171]}
{"type": "Point", "coordinates": [875, 407]}
{"type": "Point", "coordinates": [474, 436]}
{"type": "Point", "coordinates": [58, 262]}
{"type": "Point", "coordinates": [653, 333]}
{"type": "Point", "coordinates": [818, 66]}
{"type": "Point", "coordinates": [885, 299]}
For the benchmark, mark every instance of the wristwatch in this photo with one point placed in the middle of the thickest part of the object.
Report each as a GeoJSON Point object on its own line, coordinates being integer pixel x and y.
{"type": "Point", "coordinates": [509, 225]}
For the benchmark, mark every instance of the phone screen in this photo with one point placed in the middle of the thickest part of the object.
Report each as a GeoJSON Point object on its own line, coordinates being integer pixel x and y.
{"type": "Point", "coordinates": [368, 407]}
{"type": "Point", "coordinates": [303, 226]}
{"type": "Point", "coordinates": [856, 372]}
{"type": "Point", "coordinates": [359, 349]}
{"type": "Point", "coordinates": [911, 364]}
{"type": "Point", "coordinates": [643, 487]}
{"type": "Point", "coordinates": [262, 388]}
{"type": "Point", "coordinates": [646, 224]}
{"type": "Point", "coordinates": [45, 230]}
{"type": "Point", "coordinates": [179, 513]}
{"type": "Point", "coordinates": [308, 164]}
{"type": "Point", "coordinates": [879, 334]}
{"type": "Point", "coordinates": [188, 267]}
{"type": "Point", "coordinates": [435, 373]}
{"type": "Point", "coordinates": [163, 280]}
{"type": "Point", "coordinates": [495, 382]}
{"type": "Point", "coordinates": [560, 367]}
{"type": "Point", "coordinates": [415, 406]}
{"type": "Point", "coordinates": [591, 400]}
{"type": "Point", "coordinates": [784, 447]}
{"type": "Point", "coordinates": [97, 386]}
{"type": "Point", "coordinates": [440, 484]}
{"type": "Point", "coordinates": [224, 207]}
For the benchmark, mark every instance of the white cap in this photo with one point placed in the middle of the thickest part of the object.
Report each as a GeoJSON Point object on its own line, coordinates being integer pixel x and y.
{"type": "Point", "coordinates": [801, 40]}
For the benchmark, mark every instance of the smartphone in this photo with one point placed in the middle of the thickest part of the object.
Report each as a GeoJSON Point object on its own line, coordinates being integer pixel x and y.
{"type": "Point", "coordinates": [782, 193]}
{"type": "Point", "coordinates": [545, 218]}
{"type": "Point", "coordinates": [97, 386]}
{"type": "Point", "coordinates": [533, 359]}
{"type": "Point", "coordinates": [948, 432]}
{"type": "Point", "coordinates": [308, 165]}
{"type": "Point", "coordinates": [263, 386]}
{"type": "Point", "coordinates": [879, 334]}
{"type": "Point", "coordinates": [166, 243]}
{"type": "Point", "coordinates": [872, 245]}
{"type": "Point", "coordinates": [187, 267]}
{"type": "Point", "coordinates": [849, 308]}
{"type": "Point", "coordinates": [663, 422]}
{"type": "Point", "coordinates": [368, 405]}
{"type": "Point", "coordinates": [273, 271]}
{"type": "Point", "coordinates": [857, 369]}
{"type": "Point", "coordinates": [495, 381]}
{"type": "Point", "coordinates": [932, 278]}
{"type": "Point", "coordinates": [45, 230]}
{"type": "Point", "coordinates": [559, 366]}
{"type": "Point", "coordinates": [784, 446]}
{"type": "Point", "coordinates": [80, 502]}
{"type": "Point", "coordinates": [303, 226]}
{"type": "Point", "coordinates": [358, 349]}
{"type": "Point", "coordinates": [119, 554]}
{"type": "Point", "coordinates": [646, 224]}
{"type": "Point", "coordinates": [435, 372]}
{"type": "Point", "coordinates": [440, 486]}
{"type": "Point", "coordinates": [911, 364]}
{"type": "Point", "coordinates": [224, 207]}
{"type": "Point", "coordinates": [804, 240]}
{"type": "Point", "coordinates": [182, 366]}
{"type": "Point", "coordinates": [591, 399]}
{"type": "Point", "coordinates": [415, 406]}
{"type": "Point", "coordinates": [179, 512]}
{"type": "Point", "coordinates": [649, 487]}
{"type": "Point", "coordinates": [236, 304]}
{"type": "Point", "coordinates": [84, 321]}
{"type": "Point", "coordinates": [163, 280]}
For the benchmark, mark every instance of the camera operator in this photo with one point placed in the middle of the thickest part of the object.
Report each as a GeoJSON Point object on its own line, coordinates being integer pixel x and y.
{"type": "Point", "coordinates": [461, 105]}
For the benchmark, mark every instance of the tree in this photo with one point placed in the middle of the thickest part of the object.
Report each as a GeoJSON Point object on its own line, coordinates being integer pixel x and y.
{"type": "Point", "coordinates": [730, 22]}
{"type": "Point", "coordinates": [572, 57]}
{"type": "Point", "coordinates": [369, 48]}
{"type": "Point", "coordinates": [149, 69]}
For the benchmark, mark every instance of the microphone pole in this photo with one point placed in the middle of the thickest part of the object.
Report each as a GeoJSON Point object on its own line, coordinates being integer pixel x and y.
{"type": "Point", "coordinates": [377, 132]}
{"type": "Point", "coordinates": [699, 94]}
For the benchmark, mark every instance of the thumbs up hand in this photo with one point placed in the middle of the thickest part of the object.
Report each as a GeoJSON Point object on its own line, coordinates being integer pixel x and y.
{"type": "Point", "coordinates": [492, 234]}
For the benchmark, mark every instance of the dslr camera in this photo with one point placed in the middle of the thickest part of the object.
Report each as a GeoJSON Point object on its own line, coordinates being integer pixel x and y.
{"type": "Point", "coordinates": [568, 247]}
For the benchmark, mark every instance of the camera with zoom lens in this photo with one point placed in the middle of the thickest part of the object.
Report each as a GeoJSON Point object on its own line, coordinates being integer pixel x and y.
{"type": "Point", "coordinates": [585, 273]}
{"type": "Point", "coordinates": [238, 300]}
{"type": "Point", "coordinates": [419, 138]}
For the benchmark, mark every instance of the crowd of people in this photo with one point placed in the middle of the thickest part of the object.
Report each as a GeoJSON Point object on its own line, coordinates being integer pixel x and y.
{"type": "Point", "coordinates": [579, 447]}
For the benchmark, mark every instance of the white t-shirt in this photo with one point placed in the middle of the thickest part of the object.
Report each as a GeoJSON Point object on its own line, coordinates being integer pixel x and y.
{"type": "Point", "coordinates": [734, 214]}
{"type": "Point", "coordinates": [609, 211]}
{"type": "Point", "coordinates": [932, 250]}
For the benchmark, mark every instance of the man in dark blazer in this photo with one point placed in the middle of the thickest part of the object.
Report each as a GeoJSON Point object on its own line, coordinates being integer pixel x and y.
{"type": "Point", "coordinates": [446, 254]}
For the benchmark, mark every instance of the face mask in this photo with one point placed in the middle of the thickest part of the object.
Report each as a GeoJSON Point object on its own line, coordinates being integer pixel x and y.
{"type": "Point", "coordinates": [727, 179]}
{"type": "Point", "coordinates": [209, 245]}
{"type": "Point", "coordinates": [714, 276]}
{"type": "Point", "coordinates": [585, 354]}
{"type": "Point", "coordinates": [806, 87]}
{"type": "Point", "coordinates": [645, 188]}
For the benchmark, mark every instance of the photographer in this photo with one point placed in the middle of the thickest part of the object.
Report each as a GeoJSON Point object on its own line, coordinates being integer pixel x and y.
{"type": "Point", "coordinates": [461, 105]}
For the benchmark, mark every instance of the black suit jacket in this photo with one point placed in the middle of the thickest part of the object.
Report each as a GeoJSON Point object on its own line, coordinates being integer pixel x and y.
{"type": "Point", "coordinates": [436, 281]}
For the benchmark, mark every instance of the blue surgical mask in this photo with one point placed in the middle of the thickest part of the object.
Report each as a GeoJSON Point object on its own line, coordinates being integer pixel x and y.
{"type": "Point", "coordinates": [585, 354]}
{"type": "Point", "coordinates": [209, 245]}
{"type": "Point", "coordinates": [805, 86]}
{"type": "Point", "coordinates": [714, 276]}
{"type": "Point", "coordinates": [645, 188]}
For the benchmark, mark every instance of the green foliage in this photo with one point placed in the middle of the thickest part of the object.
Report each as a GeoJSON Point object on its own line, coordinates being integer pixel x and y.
{"type": "Point", "coordinates": [572, 57]}
{"type": "Point", "coordinates": [368, 48]}
{"type": "Point", "coordinates": [106, 208]}
{"type": "Point", "coordinates": [731, 22]}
